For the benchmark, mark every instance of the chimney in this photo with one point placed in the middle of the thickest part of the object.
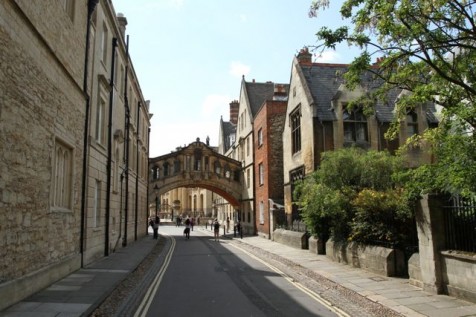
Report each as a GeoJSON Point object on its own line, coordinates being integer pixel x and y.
{"type": "Point", "coordinates": [304, 57]}
{"type": "Point", "coordinates": [279, 92]}
{"type": "Point", "coordinates": [234, 107]}
{"type": "Point", "coordinates": [121, 19]}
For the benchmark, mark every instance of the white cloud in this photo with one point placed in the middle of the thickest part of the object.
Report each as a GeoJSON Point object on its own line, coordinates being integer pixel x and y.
{"type": "Point", "coordinates": [328, 57]}
{"type": "Point", "coordinates": [238, 69]}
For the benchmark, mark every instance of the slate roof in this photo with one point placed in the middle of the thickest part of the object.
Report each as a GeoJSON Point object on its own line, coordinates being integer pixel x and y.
{"type": "Point", "coordinates": [324, 81]}
{"type": "Point", "coordinates": [228, 130]}
{"type": "Point", "coordinates": [258, 93]}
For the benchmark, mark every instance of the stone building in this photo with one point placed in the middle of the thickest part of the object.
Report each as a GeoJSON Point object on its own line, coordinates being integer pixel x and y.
{"type": "Point", "coordinates": [56, 212]}
{"type": "Point", "coordinates": [317, 120]}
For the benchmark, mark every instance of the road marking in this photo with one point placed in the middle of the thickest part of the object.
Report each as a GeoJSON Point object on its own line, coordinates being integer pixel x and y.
{"type": "Point", "coordinates": [298, 285]}
{"type": "Point", "coordinates": [152, 290]}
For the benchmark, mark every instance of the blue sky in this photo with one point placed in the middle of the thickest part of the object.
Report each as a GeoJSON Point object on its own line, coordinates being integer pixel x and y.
{"type": "Point", "coordinates": [190, 56]}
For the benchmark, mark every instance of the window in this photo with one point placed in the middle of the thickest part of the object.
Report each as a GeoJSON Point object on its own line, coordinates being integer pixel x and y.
{"type": "Point", "coordinates": [123, 81]}
{"type": "Point", "coordinates": [248, 178]}
{"type": "Point", "coordinates": [261, 213]}
{"type": "Point", "coordinates": [248, 146]}
{"type": "Point", "coordinates": [97, 204]}
{"type": "Point", "coordinates": [412, 124]}
{"type": "Point", "coordinates": [68, 6]}
{"type": "Point", "coordinates": [261, 173]}
{"type": "Point", "coordinates": [100, 121]}
{"type": "Point", "coordinates": [217, 167]}
{"type": "Point", "coordinates": [115, 168]}
{"type": "Point", "coordinates": [260, 137]}
{"type": "Point", "coordinates": [63, 166]}
{"type": "Point", "coordinates": [104, 44]}
{"type": "Point", "coordinates": [295, 119]}
{"type": "Point", "coordinates": [355, 127]}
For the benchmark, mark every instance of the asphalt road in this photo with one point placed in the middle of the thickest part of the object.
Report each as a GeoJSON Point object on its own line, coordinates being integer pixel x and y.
{"type": "Point", "coordinates": [203, 277]}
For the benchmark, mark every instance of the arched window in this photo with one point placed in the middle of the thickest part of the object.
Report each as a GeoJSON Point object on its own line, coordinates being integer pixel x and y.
{"type": "Point", "coordinates": [217, 167]}
{"type": "Point", "coordinates": [412, 123]}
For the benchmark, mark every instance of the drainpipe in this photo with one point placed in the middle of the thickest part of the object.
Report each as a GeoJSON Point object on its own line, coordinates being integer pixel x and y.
{"type": "Point", "coordinates": [147, 178]}
{"type": "Point", "coordinates": [91, 7]}
{"type": "Point", "coordinates": [126, 145]}
{"type": "Point", "coordinates": [137, 170]}
{"type": "Point", "coordinates": [109, 148]}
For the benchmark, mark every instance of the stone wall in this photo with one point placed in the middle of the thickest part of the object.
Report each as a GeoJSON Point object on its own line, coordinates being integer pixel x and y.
{"type": "Point", "coordinates": [42, 104]}
{"type": "Point", "coordinates": [459, 274]}
{"type": "Point", "coordinates": [383, 261]}
{"type": "Point", "coordinates": [293, 239]}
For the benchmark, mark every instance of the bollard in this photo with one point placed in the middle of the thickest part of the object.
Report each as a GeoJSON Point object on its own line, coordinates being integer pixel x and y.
{"type": "Point", "coordinates": [234, 231]}
{"type": "Point", "coordinates": [224, 231]}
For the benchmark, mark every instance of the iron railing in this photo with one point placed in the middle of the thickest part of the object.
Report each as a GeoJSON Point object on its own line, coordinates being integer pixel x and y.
{"type": "Point", "coordinates": [460, 224]}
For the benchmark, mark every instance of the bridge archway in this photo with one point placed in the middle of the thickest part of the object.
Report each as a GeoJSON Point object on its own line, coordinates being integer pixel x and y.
{"type": "Point", "coordinates": [197, 165]}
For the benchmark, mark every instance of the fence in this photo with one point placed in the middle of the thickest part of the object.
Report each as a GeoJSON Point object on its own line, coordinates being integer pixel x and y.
{"type": "Point", "coordinates": [460, 224]}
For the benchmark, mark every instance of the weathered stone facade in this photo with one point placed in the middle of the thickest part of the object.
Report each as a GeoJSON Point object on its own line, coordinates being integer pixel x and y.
{"type": "Point", "coordinates": [43, 111]}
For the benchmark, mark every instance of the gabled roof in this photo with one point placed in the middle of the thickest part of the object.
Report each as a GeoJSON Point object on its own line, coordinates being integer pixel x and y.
{"type": "Point", "coordinates": [258, 93]}
{"type": "Point", "coordinates": [324, 80]}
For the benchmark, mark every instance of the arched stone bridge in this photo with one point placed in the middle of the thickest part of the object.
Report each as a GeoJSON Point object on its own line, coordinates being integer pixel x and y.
{"type": "Point", "coordinates": [197, 165]}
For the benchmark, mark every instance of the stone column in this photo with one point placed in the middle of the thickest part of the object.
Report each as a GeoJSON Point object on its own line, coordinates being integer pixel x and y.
{"type": "Point", "coordinates": [430, 226]}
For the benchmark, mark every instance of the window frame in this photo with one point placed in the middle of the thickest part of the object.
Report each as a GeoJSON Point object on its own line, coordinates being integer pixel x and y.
{"type": "Point", "coordinates": [295, 125]}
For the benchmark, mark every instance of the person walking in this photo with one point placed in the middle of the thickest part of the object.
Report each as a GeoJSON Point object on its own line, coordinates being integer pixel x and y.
{"type": "Point", "coordinates": [216, 230]}
{"type": "Point", "coordinates": [187, 228]}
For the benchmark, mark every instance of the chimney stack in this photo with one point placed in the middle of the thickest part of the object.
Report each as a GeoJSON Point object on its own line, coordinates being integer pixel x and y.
{"type": "Point", "coordinates": [234, 107]}
{"type": "Point", "coordinates": [304, 57]}
{"type": "Point", "coordinates": [279, 92]}
{"type": "Point", "coordinates": [121, 19]}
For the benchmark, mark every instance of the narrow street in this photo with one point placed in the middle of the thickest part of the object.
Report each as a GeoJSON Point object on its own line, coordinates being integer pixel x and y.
{"type": "Point", "coordinates": [203, 277]}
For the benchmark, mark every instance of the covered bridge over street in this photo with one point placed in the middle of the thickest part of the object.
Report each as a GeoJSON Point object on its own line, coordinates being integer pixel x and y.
{"type": "Point", "coordinates": [197, 165]}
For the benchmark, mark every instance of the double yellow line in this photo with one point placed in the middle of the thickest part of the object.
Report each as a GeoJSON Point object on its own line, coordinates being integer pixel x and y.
{"type": "Point", "coordinates": [152, 290]}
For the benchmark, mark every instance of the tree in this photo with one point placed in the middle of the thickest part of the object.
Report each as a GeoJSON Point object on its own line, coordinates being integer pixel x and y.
{"type": "Point", "coordinates": [427, 48]}
{"type": "Point", "coordinates": [354, 195]}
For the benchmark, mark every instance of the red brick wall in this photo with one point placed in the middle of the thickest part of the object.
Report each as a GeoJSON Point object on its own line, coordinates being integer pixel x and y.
{"type": "Point", "coordinates": [270, 119]}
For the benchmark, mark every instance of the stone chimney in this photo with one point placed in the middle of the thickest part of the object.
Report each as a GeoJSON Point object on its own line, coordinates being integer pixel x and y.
{"type": "Point", "coordinates": [234, 107]}
{"type": "Point", "coordinates": [304, 57]}
{"type": "Point", "coordinates": [121, 19]}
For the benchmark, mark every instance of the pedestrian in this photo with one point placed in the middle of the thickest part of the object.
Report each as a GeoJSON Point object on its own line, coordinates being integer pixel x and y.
{"type": "Point", "coordinates": [155, 227]}
{"type": "Point", "coordinates": [186, 231]}
{"type": "Point", "coordinates": [216, 230]}
{"type": "Point", "coordinates": [227, 224]}
{"type": "Point", "coordinates": [192, 223]}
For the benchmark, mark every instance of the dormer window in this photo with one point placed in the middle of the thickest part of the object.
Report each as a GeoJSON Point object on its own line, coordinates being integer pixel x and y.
{"type": "Point", "coordinates": [412, 124]}
{"type": "Point", "coordinates": [355, 127]}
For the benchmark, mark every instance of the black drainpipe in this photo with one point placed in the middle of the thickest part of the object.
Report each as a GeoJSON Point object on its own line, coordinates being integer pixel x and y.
{"type": "Point", "coordinates": [126, 145]}
{"type": "Point", "coordinates": [147, 177]}
{"type": "Point", "coordinates": [91, 7]}
{"type": "Point", "coordinates": [109, 147]}
{"type": "Point", "coordinates": [137, 170]}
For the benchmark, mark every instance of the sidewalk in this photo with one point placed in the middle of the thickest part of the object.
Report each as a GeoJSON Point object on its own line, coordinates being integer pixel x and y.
{"type": "Point", "coordinates": [394, 293]}
{"type": "Point", "coordinates": [79, 293]}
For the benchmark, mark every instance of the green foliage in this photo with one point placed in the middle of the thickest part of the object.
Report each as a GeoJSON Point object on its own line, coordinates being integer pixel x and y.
{"type": "Point", "coordinates": [427, 48]}
{"type": "Point", "coordinates": [355, 196]}
{"type": "Point", "coordinates": [383, 216]}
